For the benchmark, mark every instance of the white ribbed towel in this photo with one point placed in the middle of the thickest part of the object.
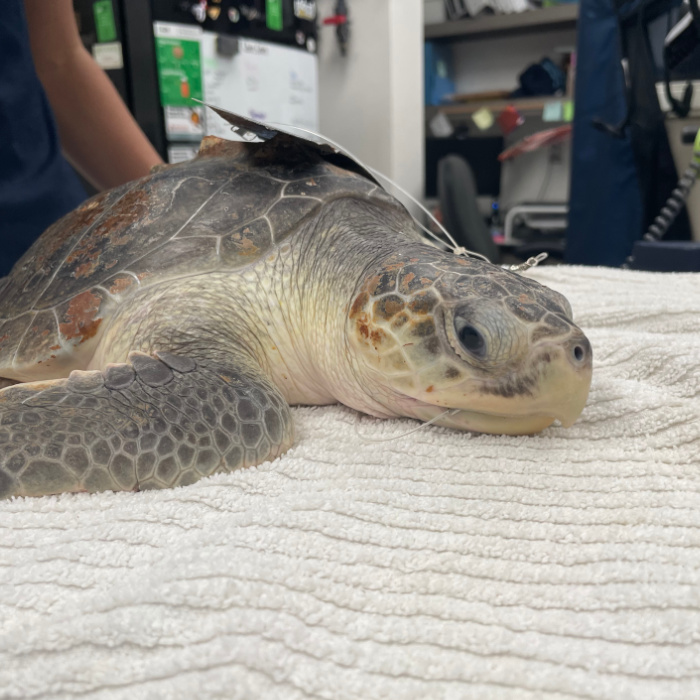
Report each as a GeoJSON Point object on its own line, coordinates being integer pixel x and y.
{"type": "Point", "coordinates": [439, 565]}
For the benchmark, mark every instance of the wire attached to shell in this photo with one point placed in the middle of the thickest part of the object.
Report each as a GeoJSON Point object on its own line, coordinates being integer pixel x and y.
{"type": "Point", "coordinates": [366, 438]}
{"type": "Point", "coordinates": [265, 131]}
{"type": "Point", "coordinates": [451, 243]}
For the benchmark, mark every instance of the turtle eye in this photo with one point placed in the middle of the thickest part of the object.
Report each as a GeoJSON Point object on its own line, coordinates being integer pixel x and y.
{"type": "Point", "coordinates": [470, 338]}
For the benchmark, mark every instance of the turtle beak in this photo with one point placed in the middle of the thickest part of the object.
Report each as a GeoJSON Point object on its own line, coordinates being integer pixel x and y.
{"type": "Point", "coordinates": [566, 385]}
{"type": "Point", "coordinates": [560, 394]}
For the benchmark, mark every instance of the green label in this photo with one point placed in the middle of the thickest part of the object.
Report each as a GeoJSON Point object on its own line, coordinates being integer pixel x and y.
{"type": "Point", "coordinates": [568, 111]}
{"type": "Point", "coordinates": [104, 21]}
{"type": "Point", "coordinates": [273, 15]}
{"type": "Point", "coordinates": [179, 71]}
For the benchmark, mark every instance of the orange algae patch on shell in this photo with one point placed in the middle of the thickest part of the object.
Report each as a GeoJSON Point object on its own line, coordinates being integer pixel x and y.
{"type": "Point", "coordinates": [405, 282]}
{"type": "Point", "coordinates": [85, 259]}
{"type": "Point", "coordinates": [80, 322]}
{"type": "Point", "coordinates": [247, 247]}
{"type": "Point", "coordinates": [86, 269]}
{"type": "Point", "coordinates": [121, 284]}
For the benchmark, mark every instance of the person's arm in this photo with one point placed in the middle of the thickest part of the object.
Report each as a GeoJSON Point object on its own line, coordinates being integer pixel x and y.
{"type": "Point", "coordinates": [98, 134]}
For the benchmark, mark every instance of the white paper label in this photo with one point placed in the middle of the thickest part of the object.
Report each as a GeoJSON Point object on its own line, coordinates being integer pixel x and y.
{"type": "Point", "coordinates": [172, 30]}
{"type": "Point", "coordinates": [108, 56]}
{"type": "Point", "coordinates": [183, 123]}
{"type": "Point", "coordinates": [304, 9]}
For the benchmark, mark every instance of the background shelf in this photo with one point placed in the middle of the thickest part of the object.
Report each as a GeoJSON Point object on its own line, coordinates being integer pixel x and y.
{"type": "Point", "coordinates": [549, 18]}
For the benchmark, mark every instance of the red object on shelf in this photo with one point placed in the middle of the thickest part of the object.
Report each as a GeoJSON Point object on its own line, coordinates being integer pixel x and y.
{"type": "Point", "coordinates": [509, 120]}
{"type": "Point", "coordinates": [538, 140]}
{"type": "Point", "coordinates": [336, 20]}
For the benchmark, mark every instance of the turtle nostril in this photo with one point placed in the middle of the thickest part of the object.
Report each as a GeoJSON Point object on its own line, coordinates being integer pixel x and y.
{"type": "Point", "coordinates": [579, 351]}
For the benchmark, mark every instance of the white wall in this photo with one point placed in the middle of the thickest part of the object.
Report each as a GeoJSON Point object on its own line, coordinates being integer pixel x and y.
{"type": "Point", "coordinates": [407, 84]}
{"type": "Point", "coordinates": [371, 101]}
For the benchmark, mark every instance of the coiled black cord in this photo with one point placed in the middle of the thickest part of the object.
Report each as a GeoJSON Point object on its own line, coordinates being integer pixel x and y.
{"type": "Point", "coordinates": [675, 202]}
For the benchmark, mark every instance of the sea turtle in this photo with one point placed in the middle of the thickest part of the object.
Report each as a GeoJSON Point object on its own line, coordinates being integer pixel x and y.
{"type": "Point", "coordinates": [160, 332]}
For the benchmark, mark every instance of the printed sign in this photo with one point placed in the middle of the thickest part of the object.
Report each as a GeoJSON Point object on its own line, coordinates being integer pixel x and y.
{"type": "Point", "coordinates": [261, 80]}
{"type": "Point", "coordinates": [184, 123]}
{"type": "Point", "coordinates": [179, 69]}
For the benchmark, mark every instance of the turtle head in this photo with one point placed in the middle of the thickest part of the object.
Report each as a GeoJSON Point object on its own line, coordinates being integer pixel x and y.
{"type": "Point", "coordinates": [435, 332]}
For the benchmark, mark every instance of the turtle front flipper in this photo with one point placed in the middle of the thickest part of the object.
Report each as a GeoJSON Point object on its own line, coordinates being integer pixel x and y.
{"type": "Point", "coordinates": [154, 422]}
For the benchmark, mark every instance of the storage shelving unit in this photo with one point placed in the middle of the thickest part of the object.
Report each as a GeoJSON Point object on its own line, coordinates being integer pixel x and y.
{"type": "Point", "coordinates": [546, 19]}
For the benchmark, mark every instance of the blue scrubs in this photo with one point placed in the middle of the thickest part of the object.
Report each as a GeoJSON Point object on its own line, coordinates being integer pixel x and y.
{"type": "Point", "coordinates": [37, 186]}
{"type": "Point", "coordinates": [605, 205]}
